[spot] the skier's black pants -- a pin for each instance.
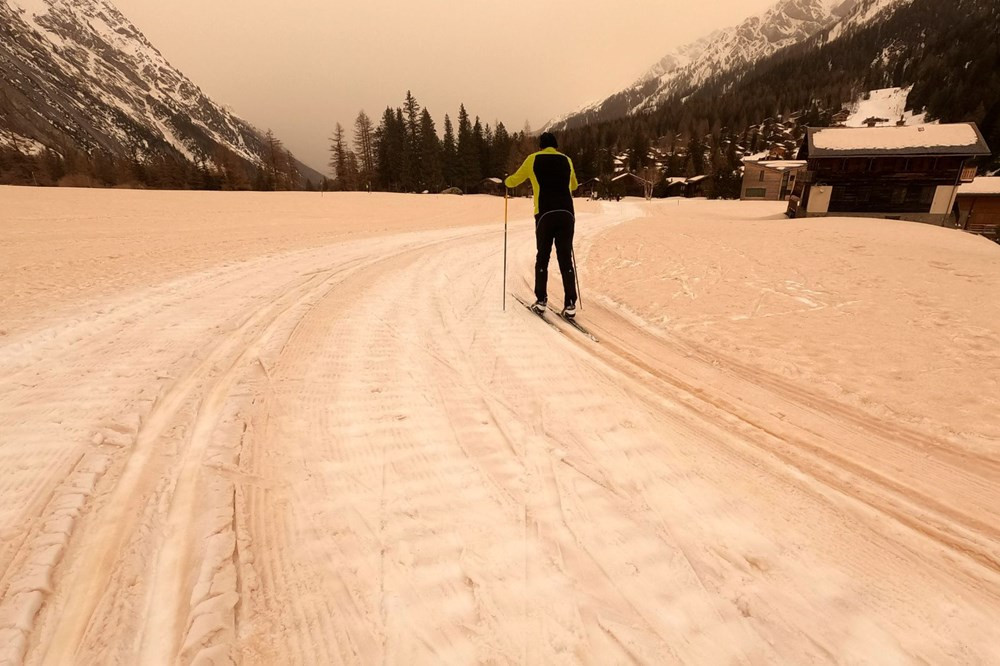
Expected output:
(555, 227)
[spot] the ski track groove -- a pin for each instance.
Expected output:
(297, 493)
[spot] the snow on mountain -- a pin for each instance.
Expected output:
(77, 73)
(681, 58)
(786, 23)
(886, 107)
(864, 13)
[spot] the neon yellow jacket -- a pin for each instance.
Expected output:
(553, 180)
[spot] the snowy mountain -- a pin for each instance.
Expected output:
(786, 23)
(77, 74)
(864, 13)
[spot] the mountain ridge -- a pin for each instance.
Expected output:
(78, 74)
(786, 23)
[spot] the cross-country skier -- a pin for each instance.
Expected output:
(553, 180)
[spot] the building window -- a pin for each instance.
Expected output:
(756, 192)
(882, 198)
(761, 179)
(858, 165)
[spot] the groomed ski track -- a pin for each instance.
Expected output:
(350, 455)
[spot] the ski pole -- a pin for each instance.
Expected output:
(505, 244)
(576, 274)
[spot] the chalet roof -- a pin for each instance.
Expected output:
(953, 139)
(777, 165)
(981, 187)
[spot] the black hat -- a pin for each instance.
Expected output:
(548, 140)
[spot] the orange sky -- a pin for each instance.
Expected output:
(300, 66)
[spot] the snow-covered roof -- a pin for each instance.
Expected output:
(981, 186)
(954, 139)
(778, 165)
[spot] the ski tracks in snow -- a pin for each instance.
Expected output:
(351, 455)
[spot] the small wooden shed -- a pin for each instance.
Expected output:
(978, 205)
(770, 180)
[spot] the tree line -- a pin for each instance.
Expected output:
(404, 152)
(221, 169)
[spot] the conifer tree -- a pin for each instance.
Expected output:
(468, 153)
(500, 152)
(482, 151)
(338, 157)
(412, 147)
(364, 147)
(431, 176)
(449, 153)
(272, 155)
(291, 173)
(402, 154)
(383, 161)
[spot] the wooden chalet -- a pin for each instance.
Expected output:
(978, 207)
(672, 186)
(770, 180)
(903, 173)
(694, 187)
(841, 117)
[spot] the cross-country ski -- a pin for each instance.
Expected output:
(572, 321)
(537, 312)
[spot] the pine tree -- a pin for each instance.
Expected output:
(273, 150)
(411, 148)
(292, 176)
(338, 157)
(500, 152)
(364, 147)
(468, 153)
(431, 175)
(485, 151)
(383, 162)
(449, 156)
(402, 154)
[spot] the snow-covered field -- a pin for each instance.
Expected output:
(888, 104)
(300, 429)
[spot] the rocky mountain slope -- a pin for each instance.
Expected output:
(787, 23)
(76, 74)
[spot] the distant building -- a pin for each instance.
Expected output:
(841, 116)
(694, 187)
(903, 173)
(770, 180)
(978, 206)
(674, 186)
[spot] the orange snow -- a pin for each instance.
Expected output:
(294, 428)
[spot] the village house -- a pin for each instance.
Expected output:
(979, 207)
(902, 173)
(841, 117)
(770, 180)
